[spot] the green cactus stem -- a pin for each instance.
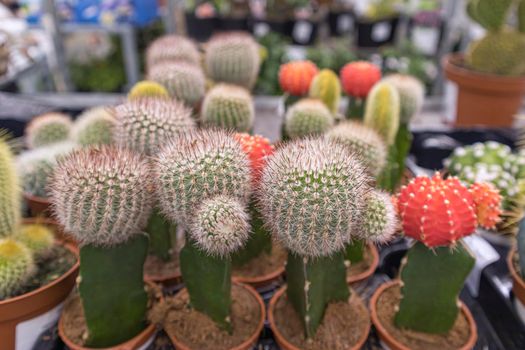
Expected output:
(521, 247)
(431, 282)
(355, 251)
(160, 232)
(391, 176)
(355, 109)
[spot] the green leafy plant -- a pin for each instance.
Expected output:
(274, 54)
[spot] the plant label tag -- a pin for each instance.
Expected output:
(261, 29)
(450, 101)
(381, 31)
(485, 255)
(426, 39)
(27, 332)
(345, 23)
(302, 31)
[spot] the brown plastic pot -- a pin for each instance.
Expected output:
(166, 280)
(484, 99)
(262, 281)
(248, 343)
(392, 343)
(518, 286)
(25, 307)
(371, 269)
(39, 206)
(285, 344)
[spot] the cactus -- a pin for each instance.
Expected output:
(364, 142)
(411, 95)
(10, 199)
(379, 218)
(94, 127)
(171, 48)
(487, 201)
(382, 111)
(433, 273)
(229, 107)
(102, 198)
(313, 194)
(38, 238)
(357, 78)
(327, 88)
(233, 58)
(147, 88)
(296, 77)
(16, 266)
(48, 128)
(184, 81)
(307, 117)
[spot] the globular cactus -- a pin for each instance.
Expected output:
(35, 167)
(307, 117)
(488, 204)
(327, 88)
(171, 48)
(147, 124)
(16, 266)
(102, 195)
(147, 88)
(296, 77)
(10, 199)
(94, 127)
(382, 111)
(38, 238)
(489, 153)
(362, 141)
(258, 149)
(184, 81)
(357, 78)
(411, 95)
(233, 58)
(379, 218)
(48, 128)
(504, 181)
(229, 107)
(220, 226)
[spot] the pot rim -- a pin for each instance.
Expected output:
(262, 280)
(371, 269)
(396, 345)
(518, 285)
(284, 343)
(166, 279)
(248, 343)
(41, 200)
(451, 64)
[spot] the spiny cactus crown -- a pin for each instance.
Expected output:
(221, 225)
(38, 238)
(411, 95)
(147, 88)
(102, 195)
(10, 198)
(382, 111)
(94, 127)
(48, 128)
(16, 266)
(172, 48)
(198, 165)
(490, 153)
(327, 88)
(488, 204)
(295, 77)
(312, 195)
(307, 117)
(229, 107)
(364, 142)
(145, 125)
(379, 218)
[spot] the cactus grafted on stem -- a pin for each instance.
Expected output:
(357, 78)
(382, 111)
(16, 266)
(296, 77)
(94, 127)
(47, 129)
(307, 117)
(411, 95)
(10, 198)
(147, 88)
(327, 88)
(169, 48)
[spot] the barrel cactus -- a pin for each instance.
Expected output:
(327, 88)
(94, 127)
(357, 78)
(171, 48)
(411, 95)
(10, 200)
(38, 238)
(296, 77)
(382, 111)
(147, 88)
(16, 266)
(229, 107)
(48, 128)
(379, 218)
(307, 117)
(233, 58)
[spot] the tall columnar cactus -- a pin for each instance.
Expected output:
(48, 128)
(203, 183)
(102, 196)
(147, 88)
(327, 88)
(364, 142)
(233, 58)
(184, 81)
(16, 266)
(38, 238)
(313, 195)
(411, 95)
(307, 117)
(94, 127)
(295, 77)
(433, 273)
(171, 48)
(382, 111)
(229, 107)
(10, 200)
(357, 79)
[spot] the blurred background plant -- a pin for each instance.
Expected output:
(332, 55)
(273, 49)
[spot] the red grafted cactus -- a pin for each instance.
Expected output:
(488, 204)
(295, 77)
(258, 148)
(358, 78)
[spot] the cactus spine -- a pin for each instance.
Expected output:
(48, 128)
(147, 88)
(16, 266)
(307, 117)
(94, 127)
(327, 88)
(10, 200)
(169, 48)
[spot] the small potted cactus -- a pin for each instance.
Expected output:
(326, 87)
(93, 127)
(490, 76)
(170, 48)
(103, 198)
(315, 197)
(47, 129)
(357, 79)
(37, 271)
(308, 117)
(421, 310)
(203, 183)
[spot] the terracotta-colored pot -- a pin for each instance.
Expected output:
(45, 302)
(518, 285)
(392, 343)
(370, 271)
(39, 206)
(55, 226)
(248, 343)
(283, 342)
(484, 99)
(167, 280)
(262, 281)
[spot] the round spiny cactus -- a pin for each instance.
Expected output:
(16, 266)
(307, 117)
(172, 48)
(147, 88)
(38, 238)
(233, 58)
(379, 218)
(10, 199)
(382, 111)
(488, 204)
(102, 195)
(411, 95)
(229, 107)
(221, 226)
(145, 125)
(295, 77)
(364, 142)
(327, 88)
(94, 127)
(198, 165)
(184, 81)
(48, 128)
(488, 153)
(312, 195)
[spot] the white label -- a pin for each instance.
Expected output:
(302, 31)
(425, 39)
(27, 332)
(345, 23)
(261, 29)
(381, 31)
(147, 343)
(451, 100)
(485, 255)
